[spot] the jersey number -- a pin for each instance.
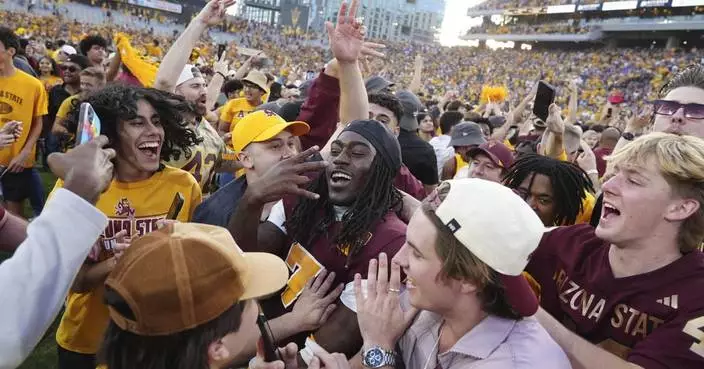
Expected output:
(694, 329)
(303, 267)
(197, 164)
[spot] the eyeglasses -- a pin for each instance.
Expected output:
(70, 68)
(668, 107)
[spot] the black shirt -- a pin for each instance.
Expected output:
(419, 157)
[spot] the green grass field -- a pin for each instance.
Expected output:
(44, 355)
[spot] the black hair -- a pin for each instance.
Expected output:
(486, 122)
(274, 91)
(9, 39)
(291, 110)
(373, 201)
(88, 42)
(182, 350)
(155, 42)
(388, 101)
(448, 120)
(54, 67)
(118, 103)
(231, 86)
(569, 183)
(454, 105)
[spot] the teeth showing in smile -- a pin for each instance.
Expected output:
(149, 145)
(337, 176)
(610, 210)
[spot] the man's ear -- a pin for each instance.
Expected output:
(218, 352)
(246, 160)
(681, 209)
(12, 51)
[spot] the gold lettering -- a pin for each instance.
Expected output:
(573, 287)
(617, 319)
(560, 277)
(598, 309)
(634, 313)
(575, 297)
(693, 328)
(656, 322)
(586, 304)
(641, 326)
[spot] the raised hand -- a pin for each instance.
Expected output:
(586, 160)
(86, 170)
(315, 305)
(214, 11)
(639, 122)
(554, 123)
(222, 65)
(347, 37)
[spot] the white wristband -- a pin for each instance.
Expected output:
(593, 171)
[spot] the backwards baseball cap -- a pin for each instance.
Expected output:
(262, 126)
(258, 79)
(200, 273)
(189, 72)
(501, 230)
(467, 134)
(68, 49)
(380, 137)
(411, 107)
(79, 59)
(377, 84)
(496, 151)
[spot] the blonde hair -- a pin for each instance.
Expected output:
(680, 159)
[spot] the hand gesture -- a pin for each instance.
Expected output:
(222, 65)
(315, 305)
(289, 358)
(572, 86)
(381, 319)
(86, 170)
(554, 123)
(346, 38)
(325, 359)
(639, 122)
(9, 133)
(586, 160)
(214, 12)
(17, 163)
(286, 178)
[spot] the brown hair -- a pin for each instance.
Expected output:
(692, 76)
(94, 72)
(460, 264)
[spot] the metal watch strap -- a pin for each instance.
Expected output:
(388, 357)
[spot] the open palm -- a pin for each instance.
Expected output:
(347, 37)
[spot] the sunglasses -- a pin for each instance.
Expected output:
(668, 107)
(69, 68)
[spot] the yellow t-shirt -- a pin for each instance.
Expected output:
(235, 110)
(203, 156)
(585, 216)
(460, 163)
(135, 207)
(51, 81)
(66, 106)
(22, 98)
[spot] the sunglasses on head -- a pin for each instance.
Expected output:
(668, 107)
(70, 68)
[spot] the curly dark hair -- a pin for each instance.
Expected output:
(118, 103)
(388, 101)
(89, 41)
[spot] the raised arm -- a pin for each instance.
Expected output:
(573, 105)
(415, 84)
(554, 146)
(177, 57)
(221, 68)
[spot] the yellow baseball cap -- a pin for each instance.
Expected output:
(262, 126)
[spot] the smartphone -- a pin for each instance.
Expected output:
(88, 124)
(221, 50)
(271, 354)
(176, 206)
(310, 75)
(543, 99)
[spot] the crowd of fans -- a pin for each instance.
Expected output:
(518, 4)
(363, 205)
(565, 27)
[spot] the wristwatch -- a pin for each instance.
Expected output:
(628, 136)
(376, 357)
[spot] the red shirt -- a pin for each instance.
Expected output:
(600, 154)
(655, 320)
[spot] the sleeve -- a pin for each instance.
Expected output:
(277, 216)
(38, 276)
(678, 343)
(406, 182)
(64, 109)
(321, 111)
(226, 112)
(41, 105)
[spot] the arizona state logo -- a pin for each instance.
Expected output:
(124, 209)
(5, 108)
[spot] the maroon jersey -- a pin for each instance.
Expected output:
(655, 320)
(306, 261)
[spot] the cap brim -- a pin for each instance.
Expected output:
(256, 84)
(296, 129)
(519, 294)
(478, 150)
(467, 141)
(267, 274)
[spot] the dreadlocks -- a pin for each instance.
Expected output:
(569, 183)
(376, 198)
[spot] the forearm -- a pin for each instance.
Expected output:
(354, 103)
(35, 131)
(582, 354)
(13, 230)
(321, 110)
(244, 222)
(58, 128)
(409, 206)
(38, 276)
(214, 90)
(177, 57)
(114, 67)
(243, 70)
(92, 276)
(572, 107)
(415, 84)
(554, 145)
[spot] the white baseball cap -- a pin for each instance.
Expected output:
(189, 72)
(498, 227)
(68, 49)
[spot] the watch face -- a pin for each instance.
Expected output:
(374, 358)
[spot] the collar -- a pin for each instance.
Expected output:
(485, 337)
